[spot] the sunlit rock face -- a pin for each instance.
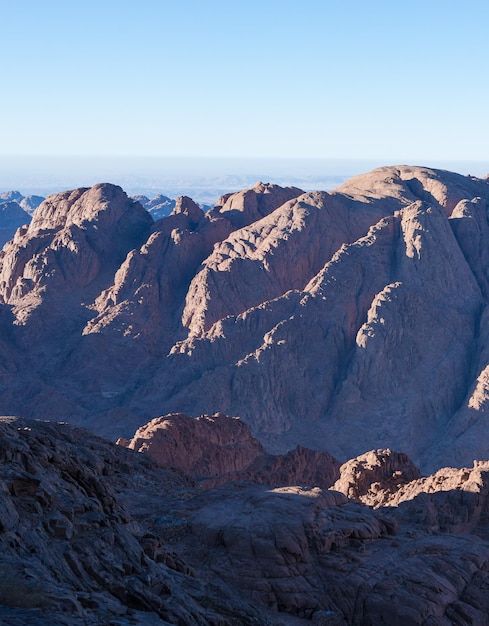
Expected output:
(341, 321)
(217, 449)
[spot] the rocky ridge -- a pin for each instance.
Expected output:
(158, 207)
(93, 533)
(15, 211)
(12, 216)
(344, 321)
(217, 449)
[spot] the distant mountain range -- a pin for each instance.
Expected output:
(203, 179)
(160, 206)
(27, 203)
(15, 210)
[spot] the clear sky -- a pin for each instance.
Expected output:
(397, 81)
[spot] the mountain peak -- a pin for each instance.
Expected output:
(344, 321)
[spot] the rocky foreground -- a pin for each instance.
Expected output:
(342, 321)
(94, 533)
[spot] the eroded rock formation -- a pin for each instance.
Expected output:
(71, 551)
(340, 321)
(217, 449)
(95, 534)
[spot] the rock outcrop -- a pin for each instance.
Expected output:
(71, 551)
(374, 477)
(450, 500)
(203, 447)
(95, 534)
(217, 449)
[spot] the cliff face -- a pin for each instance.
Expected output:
(340, 321)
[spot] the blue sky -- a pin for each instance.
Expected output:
(398, 81)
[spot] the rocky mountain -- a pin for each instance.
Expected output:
(343, 321)
(28, 203)
(158, 207)
(93, 534)
(12, 216)
(217, 449)
(11, 196)
(15, 211)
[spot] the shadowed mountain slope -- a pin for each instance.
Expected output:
(341, 321)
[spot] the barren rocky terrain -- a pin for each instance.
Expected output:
(298, 383)
(341, 321)
(94, 533)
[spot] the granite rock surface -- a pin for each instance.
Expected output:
(217, 449)
(95, 534)
(341, 321)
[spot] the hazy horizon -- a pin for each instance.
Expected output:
(205, 179)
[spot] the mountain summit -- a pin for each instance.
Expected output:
(343, 321)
